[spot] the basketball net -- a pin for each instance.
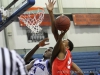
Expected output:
(32, 21)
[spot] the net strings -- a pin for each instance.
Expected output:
(33, 23)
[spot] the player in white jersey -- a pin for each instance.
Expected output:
(39, 66)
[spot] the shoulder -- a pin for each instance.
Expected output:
(16, 54)
(33, 60)
(63, 56)
(3, 49)
(48, 61)
(68, 50)
(6, 51)
(17, 57)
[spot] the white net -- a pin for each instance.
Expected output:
(33, 22)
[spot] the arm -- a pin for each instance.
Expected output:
(59, 48)
(28, 56)
(29, 66)
(76, 69)
(31, 52)
(53, 28)
(50, 10)
(55, 53)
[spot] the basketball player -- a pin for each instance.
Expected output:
(61, 52)
(39, 66)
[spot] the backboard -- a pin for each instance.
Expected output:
(14, 8)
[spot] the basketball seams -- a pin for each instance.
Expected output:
(62, 23)
(62, 20)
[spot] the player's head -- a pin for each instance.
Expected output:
(48, 52)
(68, 44)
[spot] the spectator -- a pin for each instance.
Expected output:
(91, 73)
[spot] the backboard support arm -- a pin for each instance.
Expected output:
(12, 3)
(17, 13)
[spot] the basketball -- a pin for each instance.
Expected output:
(62, 23)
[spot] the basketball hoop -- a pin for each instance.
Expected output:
(31, 20)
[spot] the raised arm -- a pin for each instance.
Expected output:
(28, 56)
(50, 7)
(31, 52)
(58, 48)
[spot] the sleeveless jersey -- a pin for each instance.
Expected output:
(62, 66)
(40, 67)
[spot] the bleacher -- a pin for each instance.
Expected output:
(87, 61)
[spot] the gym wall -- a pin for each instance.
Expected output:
(82, 37)
(2, 39)
(81, 4)
(20, 37)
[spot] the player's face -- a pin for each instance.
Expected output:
(65, 42)
(48, 53)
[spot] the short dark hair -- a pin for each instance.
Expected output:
(71, 45)
(51, 47)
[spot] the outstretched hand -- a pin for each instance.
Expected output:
(62, 34)
(42, 43)
(50, 5)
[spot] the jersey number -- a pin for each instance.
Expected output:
(34, 70)
(69, 62)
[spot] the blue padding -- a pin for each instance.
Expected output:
(97, 69)
(85, 53)
(86, 73)
(22, 56)
(87, 60)
(17, 13)
(85, 57)
(86, 64)
(38, 56)
(92, 69)
(89, 67)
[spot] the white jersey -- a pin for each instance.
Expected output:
(40, 67)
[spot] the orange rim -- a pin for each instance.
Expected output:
(35, 8)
